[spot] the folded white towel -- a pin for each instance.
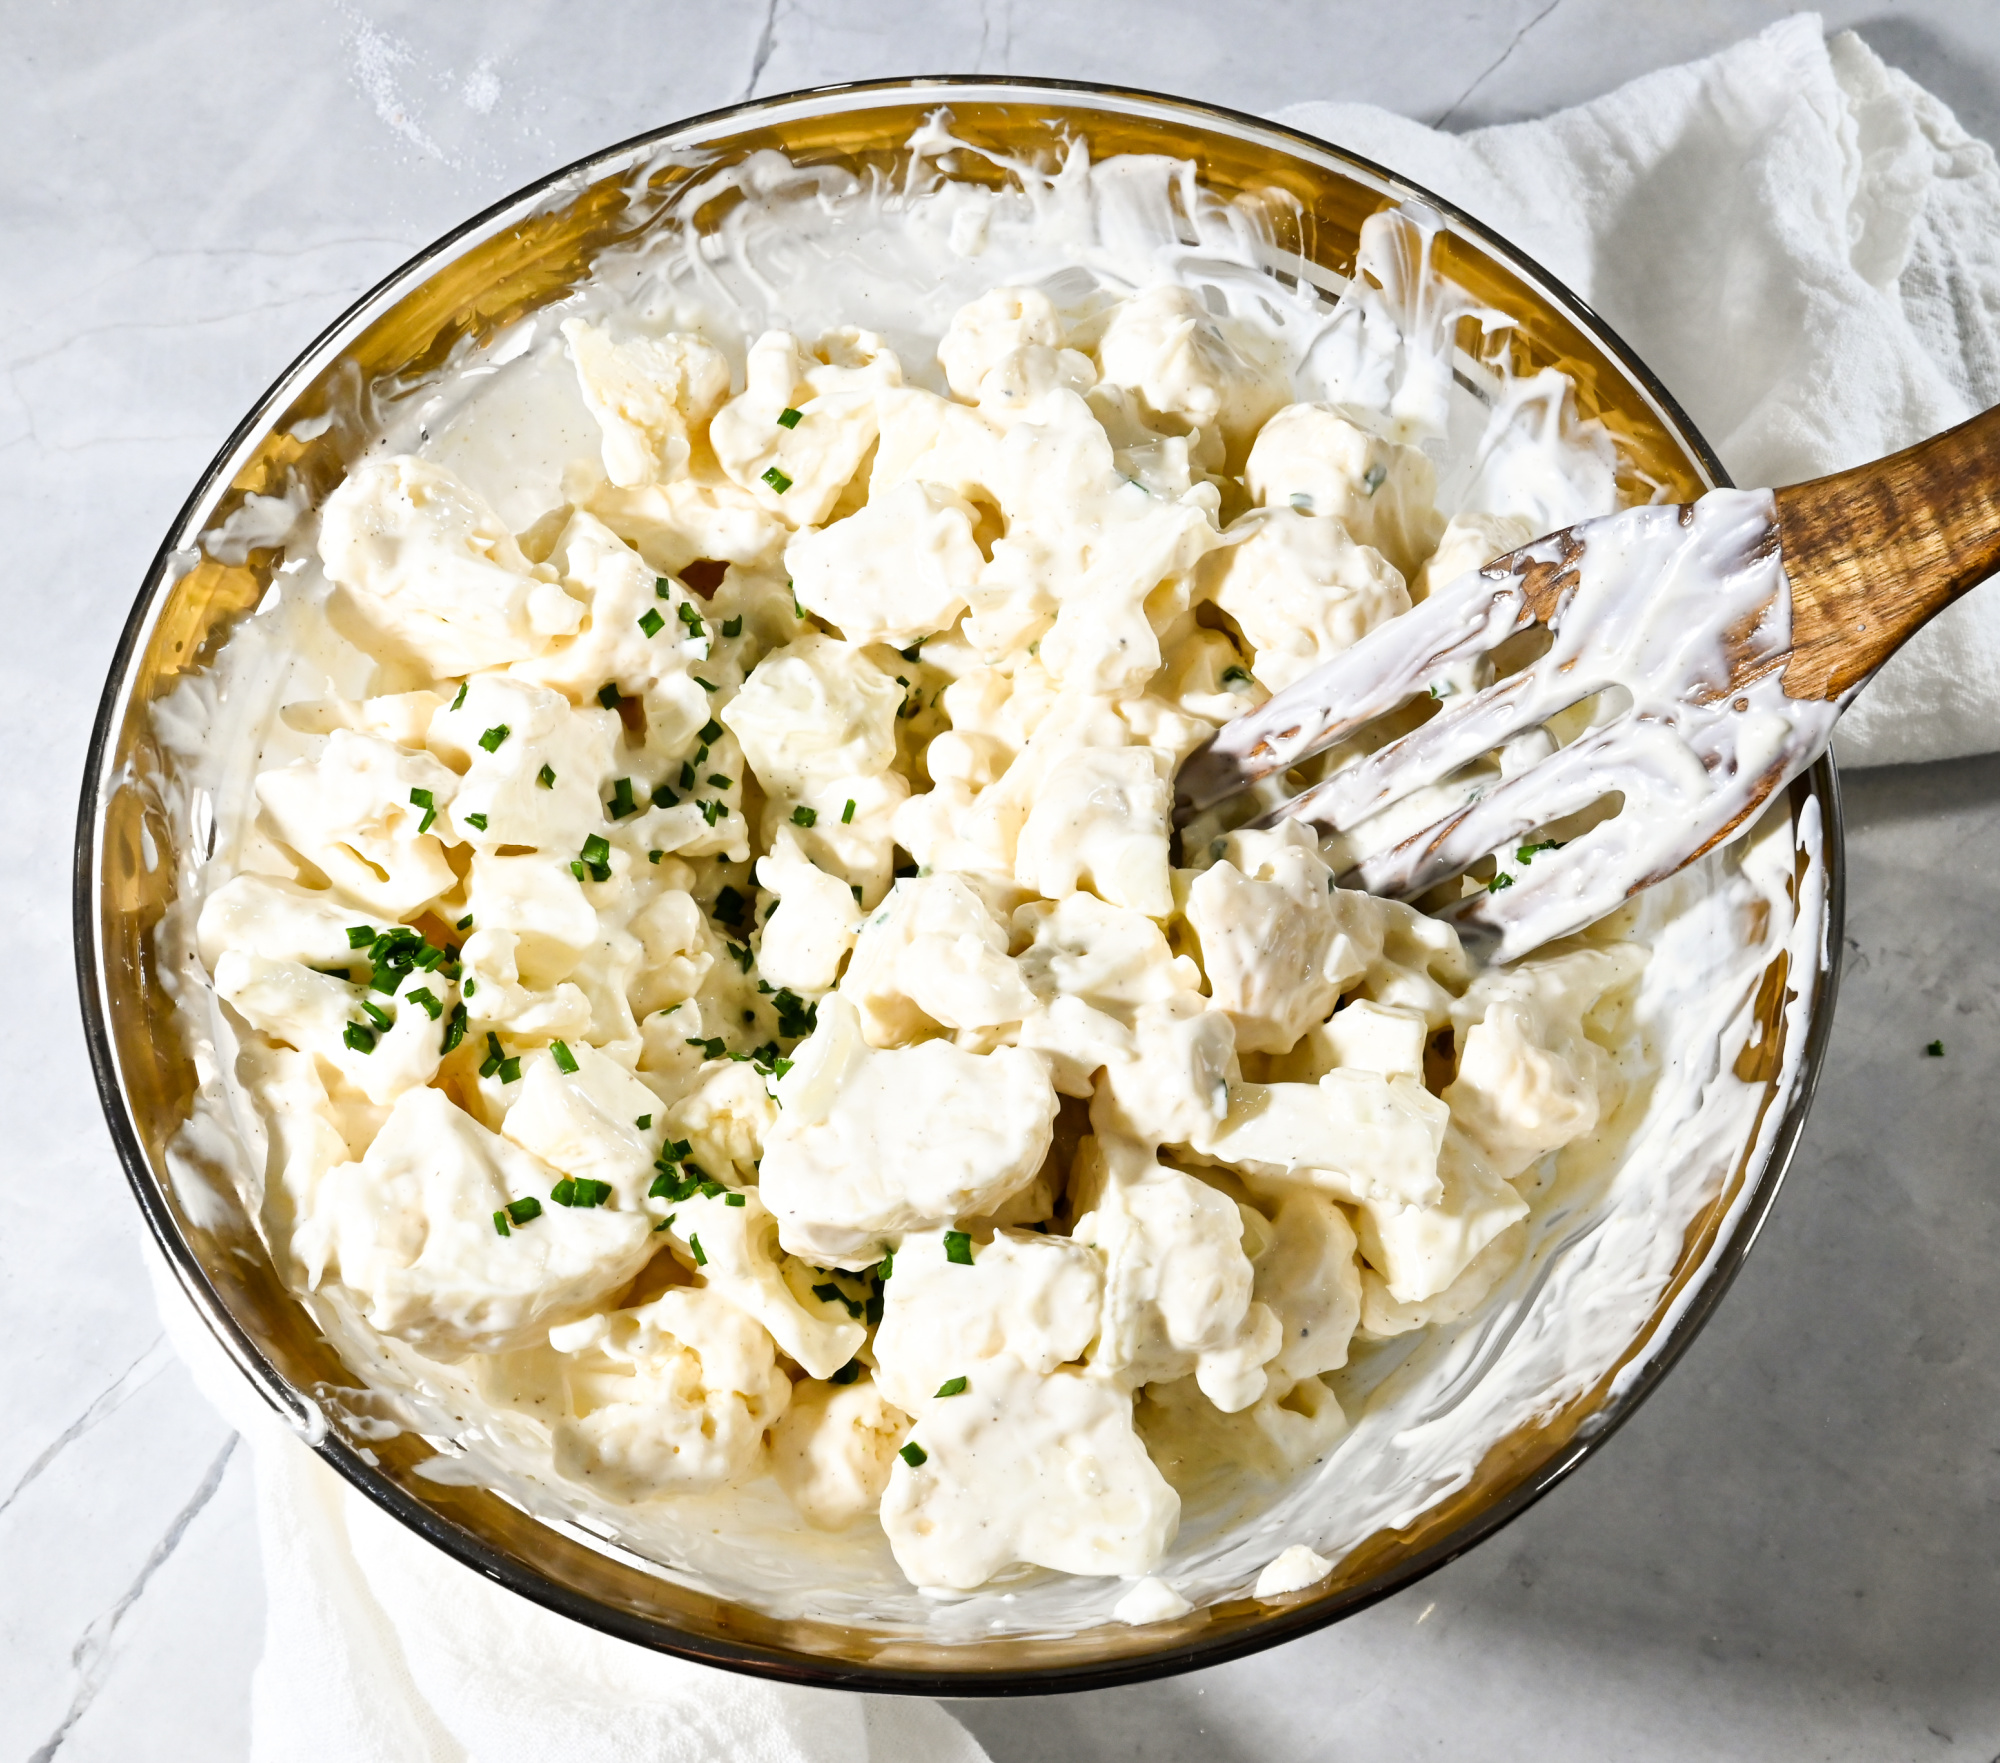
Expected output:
(1805, 247)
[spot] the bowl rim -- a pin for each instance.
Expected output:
(1714, 1276)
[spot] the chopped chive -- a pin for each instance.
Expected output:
(1374, 477)
(742, 955)
(734, 1200)
(652, 622)
(382, 1020)
(470, 986)
(430, 957)
(887, 1265)
(510, 1071)
(914, 1455)
(654, 856)
(664, 798)
(777, 480)
(492, 738)
(596, 848)
(730, 906)
(420, 798)
(525, 1210)
(710, 1049)
(1528, 853)
(577, 869)
(716, 778)
(1230, 675)
(804, 816)
(358, 1038)
(546, 777)
(854, 888)
(798, 611)
(692, 619)
(427, 1001)
(847, 1373)
(1935, 1049)
(464, 923)
(952, 1386)
(360, 936)
(454, 1028)
(705, 686)
(500, 1221)
(1500, 883)
(788, 418)
(460, 699)
(915, 651)
(663, 588)
(713, 811)
(958, 1248)
(622, 803)
(694, 1248)
(607, 695)
(847, 813)
(476, 820)
(687, 775)
(709, 733)
(644, 1122)
(733, 627)
(564, 1058)
(564, 1192)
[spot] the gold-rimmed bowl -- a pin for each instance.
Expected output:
(534, 249)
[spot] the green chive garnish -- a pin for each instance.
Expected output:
(777, 480)
(476, 820)
(788, 418)
(847, 1373)
(510, 1071)
(546, 777)
(1500, 883)
(804, 816)
(914, 1455)
(718, 780)
(644, 1123)
(663, 588)
(694, 1248)
(607, 695)
(358, 1038)
(464, 923)
(958, 1248)
(1935, 1049)
(492, 738)
(460, 699)
(692, 619)
(525, 1210)
(454, 1028)
(622, 803)
(709, 733)
(500, 1222)
(652, 622)
(360, 936)
(1231, 675)
(564, 1058)
(847, 813)
(952, 1386)
(733, 627)
(427, 1001)
(705, 686)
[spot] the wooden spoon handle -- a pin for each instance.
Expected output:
(1875, 553)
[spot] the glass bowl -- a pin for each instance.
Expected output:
(530, 250)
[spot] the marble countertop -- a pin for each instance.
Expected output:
(1790, 1553)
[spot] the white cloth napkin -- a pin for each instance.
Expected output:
(1805, 246)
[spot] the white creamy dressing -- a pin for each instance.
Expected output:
(1282, 1452)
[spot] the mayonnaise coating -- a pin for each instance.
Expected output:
(779, 812)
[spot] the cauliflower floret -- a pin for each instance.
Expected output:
(1177, 1284)
(536, 768)
(1271, 936)
(1165, 345)
(541, 904)
(1198, 1447)
(1469, 542)
(638, 636)
(933, 955)
(1111, 957)
(1529, 1078)
(676, 525)
(1383, 1317)
(1032, 1298)
(586, 1122)
(1301, 591)
(1387, 1039)
(1314, 460)
(815, 709)
(1099, 822)
(1023, 1467)
(650, 395)
(814, 924)
(677, 951)
(727, 1115)
(740, 1259)
(495, 998)
(834, 1448)
(897, 569)
(349, 813)
(411, 1233)
(1174, 1089)
(671, 1398)
(432, 572)
(279, 920)
(1307, 1273)
(1354, 1135)
(797, 470)
(321, 1015)
(1419, 1249)
(869, 1144)
(984, 332)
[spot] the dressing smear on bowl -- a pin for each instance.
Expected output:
(691, 974)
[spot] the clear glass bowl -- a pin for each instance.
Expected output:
(533, 249)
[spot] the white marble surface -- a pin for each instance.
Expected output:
(1789, 1554)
